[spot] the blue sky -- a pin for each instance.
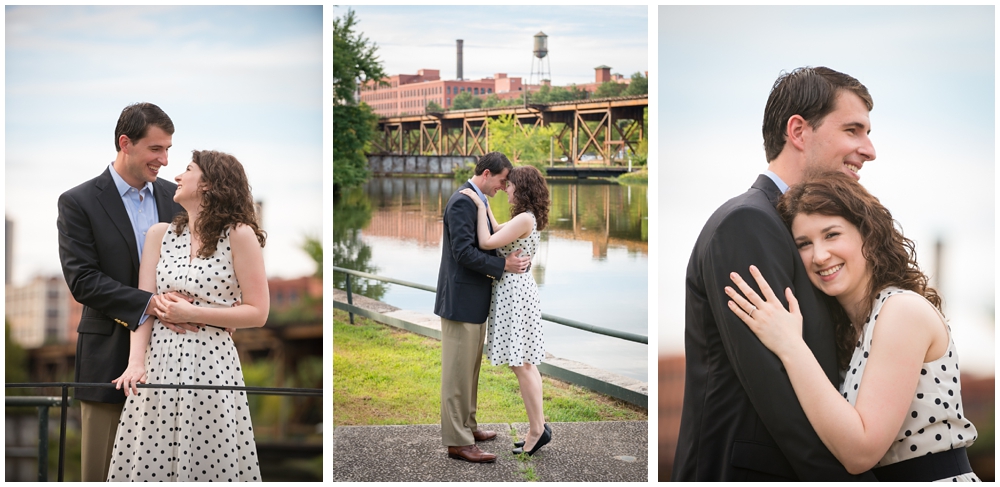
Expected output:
(930, 71)
(243, 80)
(499, 39)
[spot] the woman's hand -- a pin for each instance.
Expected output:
(778, 329)
(475, 197)
(174, 308)
(135, 374)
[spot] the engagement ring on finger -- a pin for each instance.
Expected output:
(752, 310)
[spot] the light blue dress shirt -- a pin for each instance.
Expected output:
(774, 177)
(485, 202)
(141, 208)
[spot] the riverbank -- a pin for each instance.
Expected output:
(384, 375)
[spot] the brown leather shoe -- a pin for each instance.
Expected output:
(470, 453)
(483, 435)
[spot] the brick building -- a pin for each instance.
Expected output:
(409, 94)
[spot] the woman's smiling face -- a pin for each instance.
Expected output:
(832, 251)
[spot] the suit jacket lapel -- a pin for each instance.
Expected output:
(164, 201)
(112, 202)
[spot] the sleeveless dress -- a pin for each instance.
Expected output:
(189, 435)
(514, 335)
(935, 422)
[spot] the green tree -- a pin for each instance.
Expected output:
(543, 95)
(354, 61)
(638, 86)
(523, 145)
(492, 101)
(314, 247)
(15, 359)
(433, 107)
(465, 100)
(609, 89)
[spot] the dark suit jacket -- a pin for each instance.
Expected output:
(741, 419)
(465, 278)
(100, 260)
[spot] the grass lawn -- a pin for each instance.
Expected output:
(383, 375)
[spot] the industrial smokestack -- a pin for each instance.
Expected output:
(458, 46)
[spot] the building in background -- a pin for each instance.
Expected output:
(41, 312)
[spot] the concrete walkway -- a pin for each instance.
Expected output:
(579, 452)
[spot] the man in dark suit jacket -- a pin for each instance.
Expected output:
(102, 223)
(464, 289)
(741, 419)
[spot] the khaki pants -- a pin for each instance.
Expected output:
(461, 356)
(100, 425)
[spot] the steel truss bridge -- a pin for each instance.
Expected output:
(605, 127)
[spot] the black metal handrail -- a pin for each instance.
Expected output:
(44, 403)
(624, 335)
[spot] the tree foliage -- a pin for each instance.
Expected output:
(522, 144)
(355, 61)
(15, 359)
(609, 89)
(465, 100)
(548, 94)
(433, 107)
(638, 86)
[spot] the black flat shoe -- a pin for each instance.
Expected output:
(542, 441)
(520, 444)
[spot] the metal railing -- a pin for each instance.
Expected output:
(44, 403)
(624, 335)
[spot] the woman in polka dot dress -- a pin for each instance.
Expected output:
(514, 333)
(903, 411)
(211, 253)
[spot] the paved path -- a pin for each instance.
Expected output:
(579, 452)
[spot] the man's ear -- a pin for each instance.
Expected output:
(795, 130)
(486, 173)
(124, 142)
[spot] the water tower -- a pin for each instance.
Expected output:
(540, 67)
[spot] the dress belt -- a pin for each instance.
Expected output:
(935, 466)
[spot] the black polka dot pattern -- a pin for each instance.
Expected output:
(934, 421)
(189, 435)
(514, 335)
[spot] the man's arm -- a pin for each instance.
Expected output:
(749, 236)
(81, 267)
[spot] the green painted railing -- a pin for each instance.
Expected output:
(624, 335)
(44, 403)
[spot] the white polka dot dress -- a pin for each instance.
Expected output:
(934, 421)
(189, 435)
(514, 335)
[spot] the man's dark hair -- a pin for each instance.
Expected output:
(496, 162)
(136, 119)
(808, 92)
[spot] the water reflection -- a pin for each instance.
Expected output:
(591, 265)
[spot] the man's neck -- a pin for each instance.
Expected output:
(120, 169)
(478, 181)
(788, 167)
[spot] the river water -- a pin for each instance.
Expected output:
(591, 265)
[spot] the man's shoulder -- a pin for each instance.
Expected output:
(92, 185)
(750, 205)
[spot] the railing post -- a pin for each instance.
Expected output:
(43, 443)
(350, 300)
(62, 431)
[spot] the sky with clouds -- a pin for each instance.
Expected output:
(499, 39)
(242, 80)
(930, 71)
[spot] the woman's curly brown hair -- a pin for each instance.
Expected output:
(225, 202)
(531, 193)
(891, 258)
